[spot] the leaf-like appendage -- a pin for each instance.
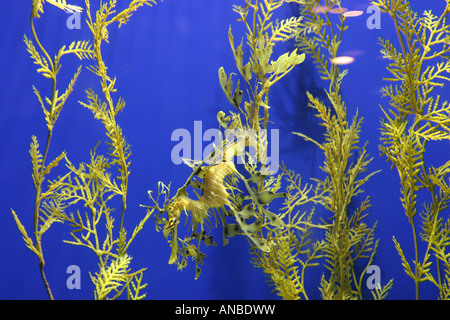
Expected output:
(111, 277)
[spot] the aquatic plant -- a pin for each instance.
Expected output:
(46, 211)
(349, 246)
(419, 65)
(293, 251)
(89, 187)
(262, 34)
(248, 208)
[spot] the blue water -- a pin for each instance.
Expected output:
(166, 61)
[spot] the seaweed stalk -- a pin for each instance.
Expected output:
(348, 239)
(49, 68)
(418, 65)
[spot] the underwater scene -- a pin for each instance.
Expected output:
(225, 149)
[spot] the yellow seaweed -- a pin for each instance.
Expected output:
(88, 187)
(249, 208)
(419, 65)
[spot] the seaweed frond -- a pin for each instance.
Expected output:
(89, 187)
(419, 65)
(94, 184)
(111, 277)
(115, 277)
(38, 7)
(248, 209)
(348, 239)
(292, 254)
(137, 286)
(47, 208)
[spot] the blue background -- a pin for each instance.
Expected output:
(166, 61)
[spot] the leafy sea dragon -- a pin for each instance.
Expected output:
(218, 193)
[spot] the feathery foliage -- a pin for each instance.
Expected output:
(47, 208)
(419, 64)
(248, 209)
(348, 239)
(106, 176)
(291, 249)
(89, 188)
(262, 34)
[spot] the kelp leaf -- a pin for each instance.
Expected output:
(227, 87)
(40, 60)
(138, 286)
(111, 277)
(62, 4)
(28, 241)
(287, 29)
(82, 49)
(36, 161)
(405, 263)
(287, 61)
